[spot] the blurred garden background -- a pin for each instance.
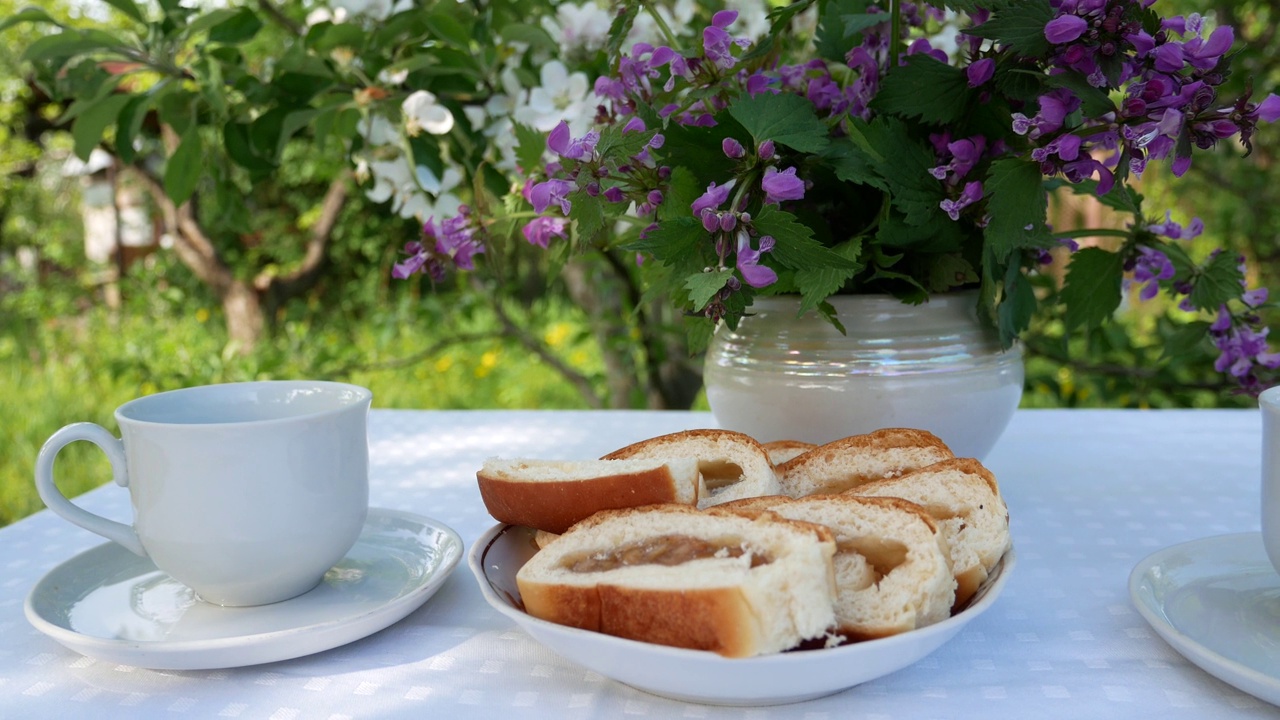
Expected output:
(270, 254)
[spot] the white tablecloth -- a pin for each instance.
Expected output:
(1090, 493)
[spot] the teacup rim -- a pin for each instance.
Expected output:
(362, 395)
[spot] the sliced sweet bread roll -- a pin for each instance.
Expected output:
(551, 495)
(733, 465)
(843, 464)
(780, 451)
(964, 500)
(892, 574)
(731, 584)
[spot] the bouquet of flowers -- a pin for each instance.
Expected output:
(899, 147)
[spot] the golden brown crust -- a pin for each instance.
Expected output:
(965, 465)
(829, 455)
(715, 619)
(554, 506)
(782, 450)
(676, 438)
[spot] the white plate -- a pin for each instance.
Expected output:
(1217, 601)
(110, 604)
(705, 677)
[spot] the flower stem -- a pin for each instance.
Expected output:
(662, 25)
(895, 34)
(1090, 232)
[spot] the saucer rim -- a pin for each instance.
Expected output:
(264, 647)
(1151, 607)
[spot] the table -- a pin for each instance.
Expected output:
(1090, 493)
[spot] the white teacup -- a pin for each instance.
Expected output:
(1269, 402)
(245, 492)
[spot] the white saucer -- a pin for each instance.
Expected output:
(705, 677)
(1217, 601)
(110, 604)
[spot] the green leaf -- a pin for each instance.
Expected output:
(795, 246)
(531, 35)
(678, 241)
(904, 163)
(235, 139)
(852, 164)
(239, 28)
(444, 26)
(325, 37)
(128, 123)
(857, 22)
(682, 191)
(620, 28)
(949, 271)
(1018, 306)
(1092, 290)
(128, 8)
(208, 20)
(183, 171)
(945, 101)
(28, 15)
(785, 119)
(1186, 340)
(88, 128)
(698, 332)
(587, 212)
(818, 284)
(1217, 281)
(705, 285)
(530, 145)
(1019, 26)
(62, 45)
(1016, 202)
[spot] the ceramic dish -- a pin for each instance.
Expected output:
(1214, 600)
(110, 604)
(705, 677)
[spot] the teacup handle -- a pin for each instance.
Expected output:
(57, 502)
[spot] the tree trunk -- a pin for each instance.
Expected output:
(245, 319)
(608, 320)
(247, 306)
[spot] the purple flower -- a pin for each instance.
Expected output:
(732, 148)
(980, 71)
(748, 262)
(1150, 268)
(1065, 28)
(1175, 231)
(971, 194)
(711, 200)
(718, 44)
(779, 186)
(455, 239)
(540, 230)
(1254, 298)
(552, 192)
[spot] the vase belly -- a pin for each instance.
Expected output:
(933, 367)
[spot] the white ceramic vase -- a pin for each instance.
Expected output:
(932, 366)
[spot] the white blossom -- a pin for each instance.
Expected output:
(320, 15)
(377, 131)
(584, 26)
(562, 96)
(423, 111)
(372, 9)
